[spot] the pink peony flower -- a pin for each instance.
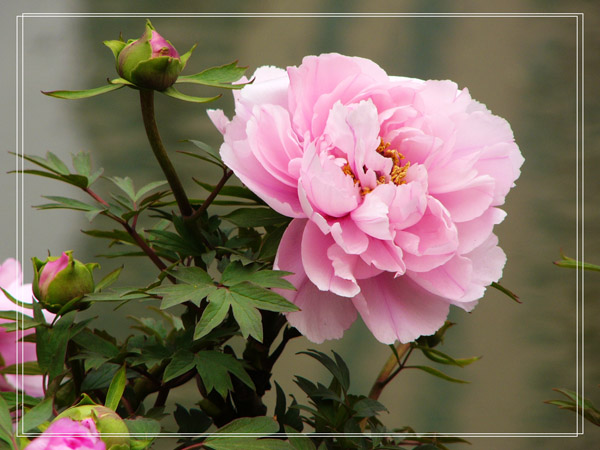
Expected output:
(67, 434)
(393, 184)
(11, 278)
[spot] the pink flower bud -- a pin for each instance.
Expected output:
(150, 62)
(67, 434)
(61, 280)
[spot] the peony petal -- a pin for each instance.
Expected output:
(450, 280)
(398, 309)
(323, 315)
(318, 266)
(372, 215)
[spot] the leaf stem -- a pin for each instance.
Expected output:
(387, 373)
(147, 104)
(226, 175)
(146, 248)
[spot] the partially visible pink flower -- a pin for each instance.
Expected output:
(394, 186)
(67, 434)
(11, 278)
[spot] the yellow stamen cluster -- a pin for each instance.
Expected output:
(398, 171)
(397, 175)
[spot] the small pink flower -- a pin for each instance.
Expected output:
(394, 186)
(11, 278)
(67, 434)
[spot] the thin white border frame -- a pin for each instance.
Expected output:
(579, 196)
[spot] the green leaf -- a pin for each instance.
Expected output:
(299, 442)
(571, 263)
(214, 368)
(67, 203)
(255, 217)
(367, 407)
(232, 191)
(100, 378)
(182, 361)
(436, 373)
(236, 273)
(208, 149)
(245, 314)
(75, 95)
(337, 368)
(442, 358)
(51, 345)
(57, 163)
(125, 184)
(507, 292)
(180, 293)
(143, 432)
(116, 389)
(578, 405)
(255, 425)
(261, 298)
(212, 317)
(16, 302)
(82, 163)
(147, 188)
(37, 415)
(26, 368)
(221, 76)
(108, 279)
(6, 427)
(172, 92)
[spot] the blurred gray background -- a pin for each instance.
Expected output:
(523, 69)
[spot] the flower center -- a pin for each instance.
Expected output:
(397, 175)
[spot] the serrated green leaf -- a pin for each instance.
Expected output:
(214, 368)
(221, 76)
(115, 235)
(236, 273)
(172, 92)
(76, 95)
(436, 373)
(247, 316)
(255, 217)
(182, 361)
(271, 241)
(116, 389)
(211, 318)
(261, 298)
(179, 293)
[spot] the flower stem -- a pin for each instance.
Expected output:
(147, 103)
(387, 372)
